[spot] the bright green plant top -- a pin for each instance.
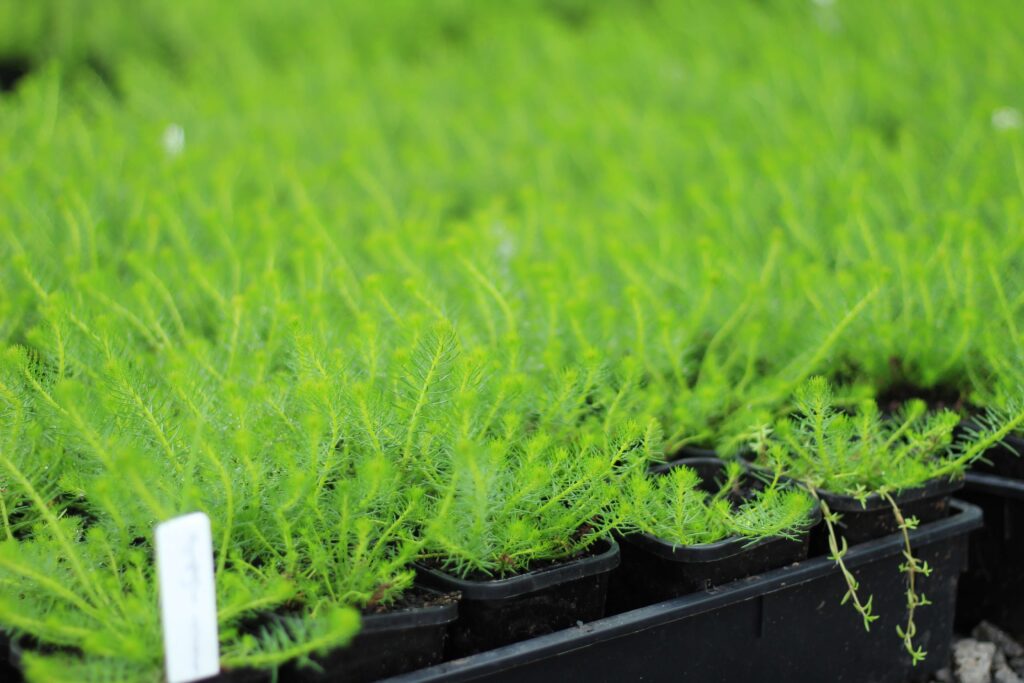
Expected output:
(866, 452)
(299, 265)
(673, 507)
(504, 510)
(539, 486)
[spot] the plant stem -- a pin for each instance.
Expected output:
(912, 569)
(864, 609)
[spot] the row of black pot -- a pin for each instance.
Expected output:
(452, 617)
(785, 624)
(460, 617)
(992, 588)
(618, 575)
(773, 610)
(634, 571)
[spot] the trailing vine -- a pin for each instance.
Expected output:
(837, 550)
(912, 567)
(861, 452)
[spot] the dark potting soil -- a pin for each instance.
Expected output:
(413, 598)
(711, 471)
(940, 397)
(12, 69)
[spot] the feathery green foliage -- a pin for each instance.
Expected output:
(523, 497)
(870, 454)
(675, 508)
(431, 278)
(866, 452)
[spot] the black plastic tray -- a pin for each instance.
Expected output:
(501, 611)
(993, 587)
(784, 625)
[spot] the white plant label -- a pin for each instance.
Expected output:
(188, 600)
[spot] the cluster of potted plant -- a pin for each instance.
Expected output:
(462, 334)
(365, 527)
(875, 474)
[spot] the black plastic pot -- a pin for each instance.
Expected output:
(695, 452)
(708, 467)
(653, 569)
(993, 587)
(496, 612)
(19, 645)
(243, 676)
(387, 644)
(1005, 459)
(689, 452)
(7, 671)
(784, 625)
(683, 454)
(874, 518)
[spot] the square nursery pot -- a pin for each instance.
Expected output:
(388, 643)
(654, 569)
(784, 625)
(686, 453)
(993, 587)
(496, 612)
(19, 645)
(1005, 459)
(874, 518)
(7, 671)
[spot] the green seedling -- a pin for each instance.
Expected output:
(863, 454)
(674, 508)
